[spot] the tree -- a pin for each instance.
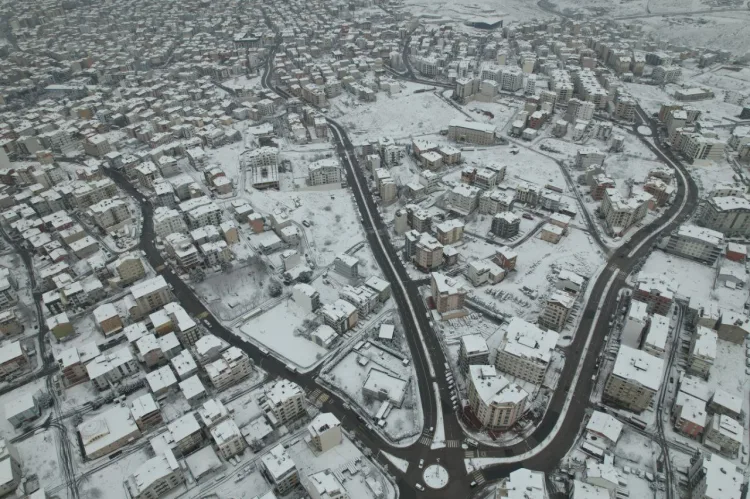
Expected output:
(275, 289)
(197, 275)
(226, 266)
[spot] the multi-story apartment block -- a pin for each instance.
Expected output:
(464, 199)
(473, 351)
(557, 310)
(129, 268)
(279, 468)
(208, 214)
(634, 380)
(110, 214)
(233, 366)
(729, 215)
(13, 358)
(505, 225)
(496, 402)
(168, 221)
(111, 367)
(447, 294)
(285, 399)
(496, 201)
(148, 296)
(471, 132)
(228, 438)
(428, 252)
(324, 171)
(656, 293)
(713, 477)
(156, 477)
(324, 432)
(450, 231)
(526, 351)
(620, 213)
(697, 243)
(702, 353)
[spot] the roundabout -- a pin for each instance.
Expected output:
(435, 476)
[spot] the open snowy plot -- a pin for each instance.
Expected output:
(502, 111)
(527, 165)
(651, 97)
(401, 116)
(342, 460)
(474, 10)
(38, 455)
(350, 373)
(706, 177)
(243, 82)
(693, 279)
(226, 157)
(534, 271)
(6, 429)
(231, 294)
(85, 331)
(723, 78)
(25, 305)
(481, 225)
(717, 31)
(623, 166)
(333, 216)
(276, 329)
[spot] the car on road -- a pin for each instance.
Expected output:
(473, 484)
(421, 464)
(419, 487)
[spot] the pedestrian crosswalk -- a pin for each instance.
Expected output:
(425, 440)
(478, 477)
(453, 443)
(471, 454)
(313, 395)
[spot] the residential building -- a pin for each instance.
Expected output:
(724, 434)
(149, 295)
(285, 399)
(108, 319)
(13, 358)
(496, 402)
(156, 477)
(658, 332)
(146, 412)
(111, 367)
(702, 353)
(729, 215)
(697, 243)
(324, 432)
(482, 272)
(524, 484)
(473, 350)
(280, 469)
(325, 485)
(526, 351)
(656, 293)
(346, 265)
(450, 231)
(228, 438)
(620, 213)
(506, 225)
(233, 366)
(324, 171)
(634, 380)
(428, 252)
(306, 297)
(713, 477)
(557, 310)
(471, 132)
(447, 295)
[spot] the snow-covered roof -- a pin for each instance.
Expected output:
(526, 484)
(280, 390)
(727, 400)
(658, 332)
(104, 312)
(473, 125)
(638, 311)
(694, 411)
(727, 427)
(386, 331)
(722, 478)
(446, 285)
(704, 343)
(106, 428)
(523, 339)
(161, 379)
(638, 367)
(583, 490)
(143, 406)
(495, 389)
(192, 387)
(148, 286)
(152, 470)
(183, 427)
(605, 425)
(277, 462)
(474, 344)
(225, 431)
(703, 234)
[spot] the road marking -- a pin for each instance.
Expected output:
(453, 443)
(425, 440)
(478, 477)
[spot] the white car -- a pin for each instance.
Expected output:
(421, 464)
(419, 487)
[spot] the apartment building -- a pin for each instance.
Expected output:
(149, 295)
(557, 310)
(227, 438)
(129, 268)
(168, 221)
(729, 215)
(324, 432)
(73, 362)
(620, 213)
(156, 477)
(13, 358)
(658, 332)
(428, 253)
(496, 201)
(285, 400)
(464, 199)
(324, 171)
(110, 214)
(186, 434)
(447, 294)
(702, 353)
(526, 351)
(486, 271)
(697, 243)
(473, 350)
(280, 469)
(449, 232)
(496, 402)
(146, 412)
(471, 132)
(111, 367)
(233, 366)
(713, 477)
(505, 225)
(656, 293)
(340, 315)
(634, 380)
(724, 434)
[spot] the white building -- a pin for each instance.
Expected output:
(526, 351)
(495, 401)
(324, 432)
(154, 478)
(285, 399)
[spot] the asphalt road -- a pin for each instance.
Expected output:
(414, 318)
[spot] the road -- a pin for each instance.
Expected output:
(426, 353)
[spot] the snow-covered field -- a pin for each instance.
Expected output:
(401, 116)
